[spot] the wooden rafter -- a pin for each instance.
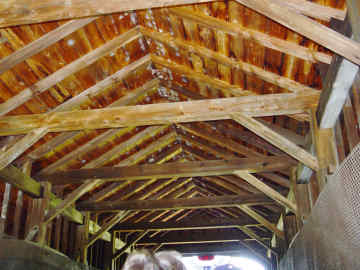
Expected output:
(267, 76)
(278, 140)
(71, 199)
(132, 160)
(22, 11)
(167, 204)
(27, 141)
(67, 70)
(129, 99)
(251, 179)
(263, 221)
(200, 77)
(206, 236)
(168, 170)
(163, 113)
(197, 224)
(42, 43)
(20, 147)
(261, 38)
(307, 27)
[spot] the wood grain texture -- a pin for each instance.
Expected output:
(27, 12)
(167, 204)
(192, 47)
(272, 193)
(281, 142)
(265, 40)
(42, 43)
(309, 28)
(168, 170)
(67, 70)
(157, 114)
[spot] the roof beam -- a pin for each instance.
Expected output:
(272, 193)
(27, 12)
(163, 113)
(267, 76)
(129, 99)
(200, 77)
(21, 146)
(339, 78)
(175, 238)
(281, 142)
(56, 77)
(265, 40)
(72, 104)
(309, 28)
(197, 224)
(263, 221)
(42, 43)
(132, 160)
(168, 170)
(174, 204)
(71, 199)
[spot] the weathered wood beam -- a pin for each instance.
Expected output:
(42, 43)
(132, 160)
(307, 27)
(336, 85)
(56, 77)
(71, 199)
(251, 179)
(20, 180)
(27, 12)
(193, 224)
(21, 146)
(163, 113)
(265, 40)
(175, 238)
(168, 170)
(274, 138)
(313, 9)
(168, 204)
(129, 99)
(106, 227)
(263, 221)
(192, 47)
(215, 83)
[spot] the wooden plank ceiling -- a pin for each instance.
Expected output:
(225, 63)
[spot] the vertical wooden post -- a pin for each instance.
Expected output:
(302, 198)
(85, 239)
(290, 227)
(113, 245)
(323, 141)
(4, 208)
(43, 209)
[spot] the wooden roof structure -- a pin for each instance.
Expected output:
(172, 122)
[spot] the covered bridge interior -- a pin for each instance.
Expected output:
(206, 127)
